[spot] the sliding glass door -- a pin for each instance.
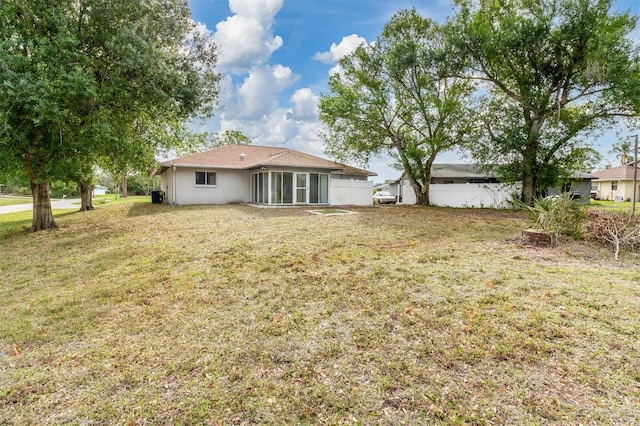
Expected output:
(260, 188)
(281, 188)
(318, 188)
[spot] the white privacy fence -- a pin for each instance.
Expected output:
(483, 195)
(351, 192)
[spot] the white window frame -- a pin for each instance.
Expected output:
(207, 179)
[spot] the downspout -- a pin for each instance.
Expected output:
(173, 184)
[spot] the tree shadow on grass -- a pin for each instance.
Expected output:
(148, 209)
(14, 224)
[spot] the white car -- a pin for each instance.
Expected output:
(384, 197)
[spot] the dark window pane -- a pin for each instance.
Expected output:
(313, 188)
(287, 188)
(200, 178)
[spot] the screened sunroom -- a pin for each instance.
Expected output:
(289, 187)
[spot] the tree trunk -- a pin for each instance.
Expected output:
(528, 177)
(86, 197)
(423, 198)
(42, 213)
(422, 188)
(529, 160)
(125, 192)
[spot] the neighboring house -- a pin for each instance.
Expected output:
(100, 190)
(381, 187)
(467, 185)
(263, 175)
(616, 183)
(578, 187)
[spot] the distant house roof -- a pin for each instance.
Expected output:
(475, 171)
(616, 173)
(459, 170)
(249, 157)
(455, 171)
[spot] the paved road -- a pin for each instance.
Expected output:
(69, 203)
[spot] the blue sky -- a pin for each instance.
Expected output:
(276, 57)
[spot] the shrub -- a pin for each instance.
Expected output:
(558, 214)
(615, 229)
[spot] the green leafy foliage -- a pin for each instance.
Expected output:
(396, 96)
(555, 72)
(96, 82)
(559, 214)
(623, 151)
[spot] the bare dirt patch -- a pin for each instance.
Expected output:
(330, 212)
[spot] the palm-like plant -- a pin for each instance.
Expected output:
(622, 150)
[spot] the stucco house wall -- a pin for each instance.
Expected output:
(270, 176)
(624, 191)
(616, 183)
(180, 188)
(100, 190)
(403, 191)
(582, 187)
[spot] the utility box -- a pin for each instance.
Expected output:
(157, 197)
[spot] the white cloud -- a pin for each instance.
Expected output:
(305, 104)
(278, 130)
(252, 101)
(246, 38)
(258, 9)
(307, 138)
(258, 95)
(226, 91)
(337, 51)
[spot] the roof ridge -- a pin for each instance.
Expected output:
(275, 156)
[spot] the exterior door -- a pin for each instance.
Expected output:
(301, 188)
(318, 188)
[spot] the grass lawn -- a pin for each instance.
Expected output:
(138, 313)
(9, 201)
(624, 206)
(20, 222)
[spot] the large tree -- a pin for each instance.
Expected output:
(77, 74)
(553, 71)
(395, 96)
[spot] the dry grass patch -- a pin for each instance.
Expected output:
(151, 314)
